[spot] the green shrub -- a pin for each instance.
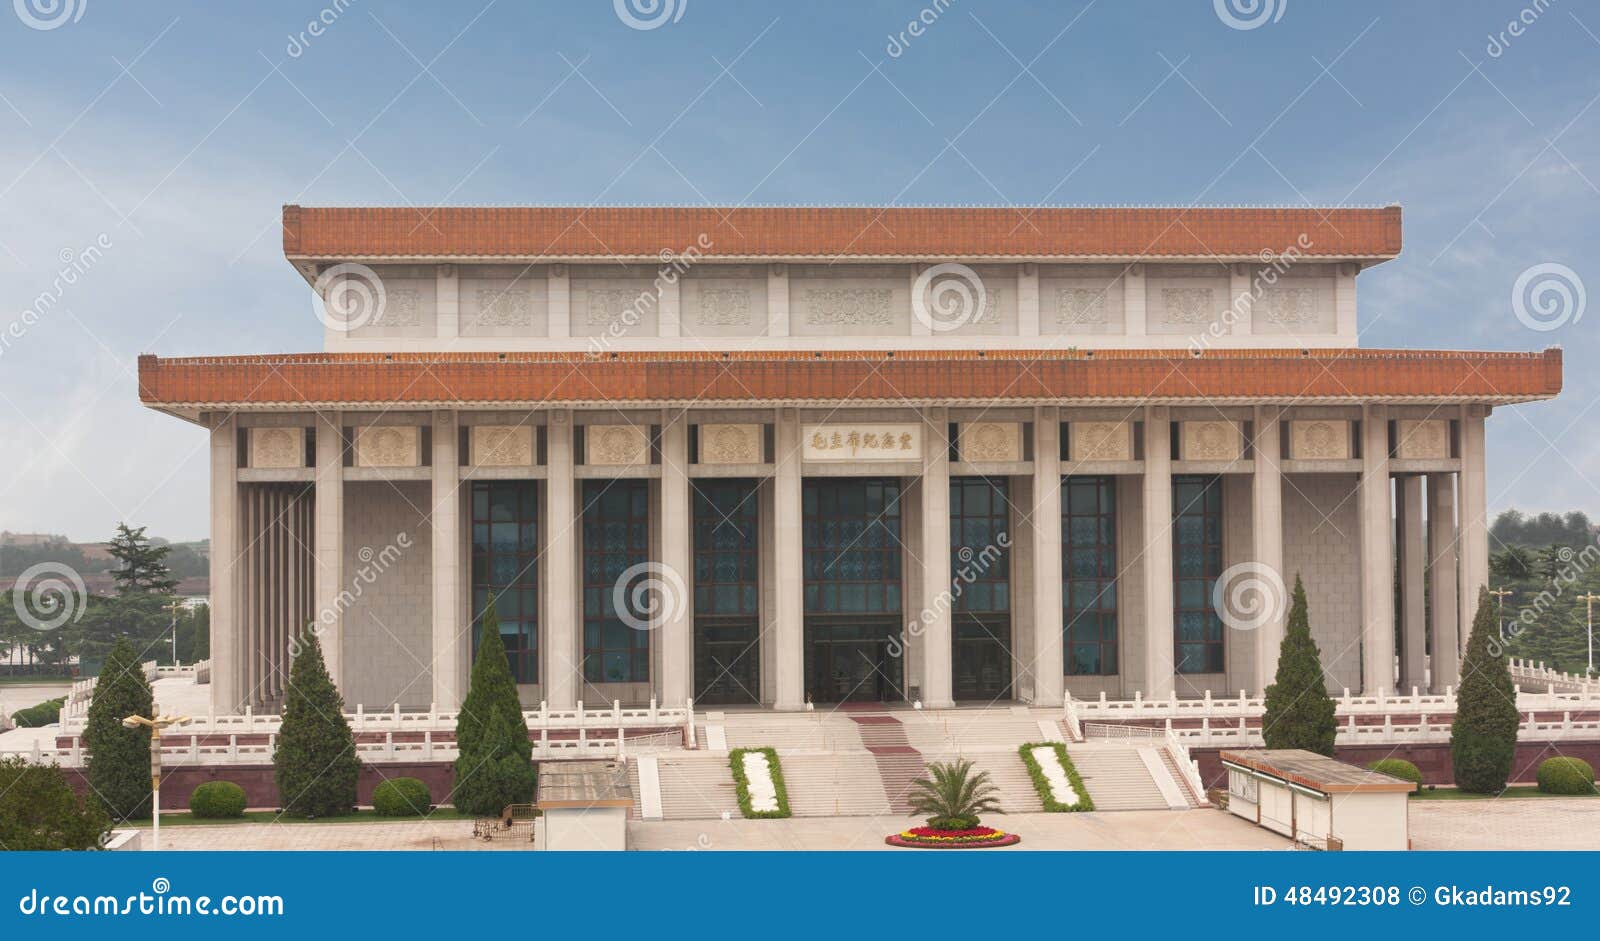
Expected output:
(119, 757)
(1299, 711)
(1563, 775)
(315, 764)
(401, 797)
(39, 716)
(217, 800)
(40, 811)
(1483, 735)
(494, 759)
(742, 783)
(1042, 784)
(1399, 768)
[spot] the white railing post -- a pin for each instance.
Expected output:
(427, 744)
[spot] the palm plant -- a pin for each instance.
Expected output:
(952, 796)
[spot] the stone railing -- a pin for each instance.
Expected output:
(1526, 672)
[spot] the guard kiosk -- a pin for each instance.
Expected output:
(1318, 801)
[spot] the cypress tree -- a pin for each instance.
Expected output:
(493, 763)
(315, 763)
(1483, 737)
(1300, 714)
(119, 757)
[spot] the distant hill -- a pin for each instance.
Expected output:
(189, 561)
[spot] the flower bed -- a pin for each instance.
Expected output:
(1060, 789)
(758, 781)
(973, 838)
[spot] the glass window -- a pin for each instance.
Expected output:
(1196, 563)
(851, 533)
(980, 566)
(505, 566)
(726, 559)
(1089, 574)
(616, 537)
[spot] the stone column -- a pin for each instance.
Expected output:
(1048, 662)
(1377, 553)
(558, 302)
(1474, 512)
(777, 300)
(1159, 641)
(936, 569)
(677, 562)
(1028, 300)
(449, 633)
(1444, 613)
(226, 568)
(562, 667)
(787, 627)
(1413, 565)
(328, 542)
(1266, 504)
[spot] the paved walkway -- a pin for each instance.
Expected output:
(1529, 823)
(1134, 830)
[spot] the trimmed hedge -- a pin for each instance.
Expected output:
(217, 800)
(39, 715)
(1042, 784)
(1399, 768)
(742, 783)
(1563, 775)
(402, 797)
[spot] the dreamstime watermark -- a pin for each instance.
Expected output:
(49, 595)
(1548, 297)
(948, 297)
(674, 265)
(1249, 595)
(647, 594)
(374, 562)
(348, 296)
(972, 564)
(926, 17)
(1274, 265)
(326, 17)
(74, 265)
(49, 14)
(1501, 41)
(1573, 564)
(1249, 14)
(645, 15)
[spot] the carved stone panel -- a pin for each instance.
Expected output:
(1211, 441)
(1422, 440)
(1319, 440)
(389, 446)
(853, 442)
(731, 444)
(990, 441)
(502, 445)
(1100, 441)
(616, 445)
(277, 447)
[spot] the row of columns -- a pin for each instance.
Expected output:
(1425, 526)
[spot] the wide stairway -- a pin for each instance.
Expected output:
(1117, 777)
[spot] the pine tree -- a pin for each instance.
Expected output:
(1483, 737)
(1300, 714)
(493, 763)
(142, 565)
(315, 763)
(119, 757)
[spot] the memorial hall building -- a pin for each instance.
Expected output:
(771, 456)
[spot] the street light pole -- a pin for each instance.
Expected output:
(172, 623)
(1499, 606)
(156, 723)
(1589, 600)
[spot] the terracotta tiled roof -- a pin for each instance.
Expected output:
(428, 379)
(949, 232)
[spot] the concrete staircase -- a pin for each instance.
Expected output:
(846, 784)
(898, 763)
(1117, 777)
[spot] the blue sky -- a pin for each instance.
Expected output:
(170, 134)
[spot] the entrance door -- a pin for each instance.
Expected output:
(727, 663)
(727, 608)
(980, 570)
(852, 569)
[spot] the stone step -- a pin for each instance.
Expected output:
(838, 785)
(1116, 777)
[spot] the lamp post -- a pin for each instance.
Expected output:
(1499, 605)
(155, 724)
(172, 624)
(1589, 600)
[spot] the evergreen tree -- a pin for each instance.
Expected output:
(1300, 714)
(142, 566)
(1483, 737)
(119, 757)
(494, 757)
(40, 811)
(315, 763)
